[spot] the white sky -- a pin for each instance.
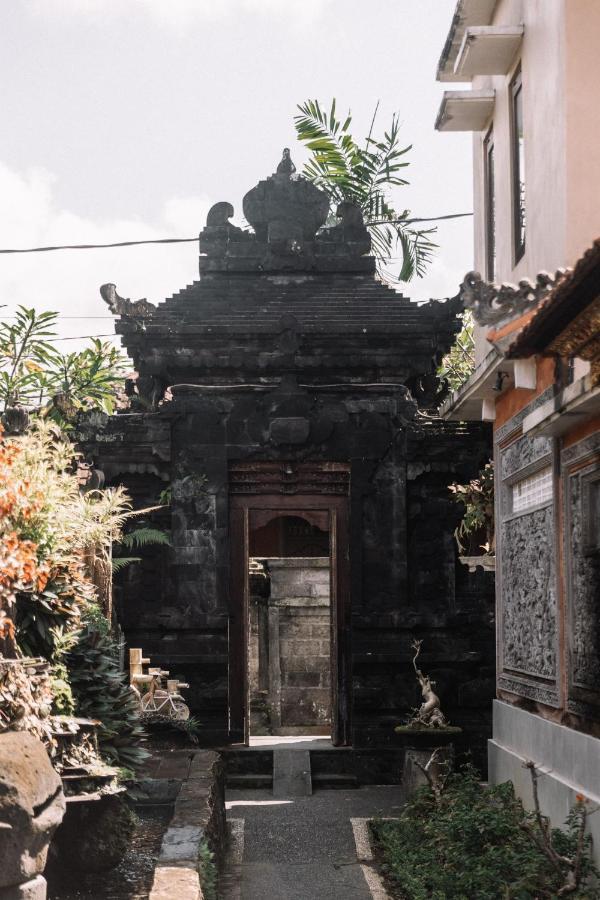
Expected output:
(126, 119)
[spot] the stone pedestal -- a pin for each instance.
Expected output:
(420, 745)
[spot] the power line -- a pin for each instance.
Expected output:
(194, 239)
(99, 246)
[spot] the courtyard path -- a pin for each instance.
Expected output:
(302, 848)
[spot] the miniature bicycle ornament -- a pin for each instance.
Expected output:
(162, 698)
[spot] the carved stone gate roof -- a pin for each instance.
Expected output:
(289, 296)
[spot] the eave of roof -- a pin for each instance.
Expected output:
(578, 287)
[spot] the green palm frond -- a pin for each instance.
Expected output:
(364, 175)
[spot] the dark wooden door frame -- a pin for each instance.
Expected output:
(302, 505)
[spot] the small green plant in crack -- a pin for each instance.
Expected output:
(207, 870)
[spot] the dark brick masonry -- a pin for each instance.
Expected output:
(290, 351)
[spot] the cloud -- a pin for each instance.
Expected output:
(181, 13)
(68, 280)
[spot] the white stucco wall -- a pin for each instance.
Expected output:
(568, 763)
(582, 32)
(561, 72)
(560, 67)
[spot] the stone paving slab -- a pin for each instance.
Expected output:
(304, 848)
(291, 773)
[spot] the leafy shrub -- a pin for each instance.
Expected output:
(471, 845)
(477, 498)
(101, 691)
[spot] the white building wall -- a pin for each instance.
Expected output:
(567, 760)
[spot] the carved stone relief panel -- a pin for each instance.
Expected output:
(583, 582)
(528, 578)
(524, 453)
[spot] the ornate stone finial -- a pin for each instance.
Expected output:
(219, 214)
(492, 303)
(121, 306)
(285, 209)
(286, 166)
(351, 230)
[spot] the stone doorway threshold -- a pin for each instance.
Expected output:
(299, 741)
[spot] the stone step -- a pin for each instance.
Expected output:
(249, 780)
(330, 780)
(291, 773)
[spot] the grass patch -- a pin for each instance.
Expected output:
(472, 846)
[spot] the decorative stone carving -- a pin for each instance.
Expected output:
(219, 215)
(514, 423)
(121, 306)
(351, 231)
(524, 452)
(528, 572)
(533, 690)
(491, 303)
(32, 806)
(286, 166)
(584, 585)
(582, 338)
(289, 430)
(282, 208)
(220, 232)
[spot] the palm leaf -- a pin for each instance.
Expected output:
(364, 175)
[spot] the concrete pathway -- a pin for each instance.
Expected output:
(301, 848)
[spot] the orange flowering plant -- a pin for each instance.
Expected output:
(47, 527)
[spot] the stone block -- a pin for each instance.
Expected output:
(181, 843)
(179, 882)
(34, 889)
(32, 804)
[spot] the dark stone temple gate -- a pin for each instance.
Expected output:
(290, 380)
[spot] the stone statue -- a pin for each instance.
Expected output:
(121, 306)
(286, 166)
(429, 712)
(32, 806)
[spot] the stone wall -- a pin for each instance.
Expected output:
(289, 648)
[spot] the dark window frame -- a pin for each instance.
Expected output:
(518, 173)
(489, 203)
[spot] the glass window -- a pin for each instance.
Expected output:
(533, 490)
(490, 206)
(518, 164)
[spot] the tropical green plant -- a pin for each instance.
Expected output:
(477, 498)
(364, 174)
(33, 373)
(101, 691)
(136, 539)
(459, 362)
(84, 380)
(25, 354)
(478, 842)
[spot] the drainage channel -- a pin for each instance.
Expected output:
(132, 878)
(178, 801)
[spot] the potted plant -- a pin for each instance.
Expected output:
(476, 529)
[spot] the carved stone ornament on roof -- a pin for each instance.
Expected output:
(121, 306)
(286, 166)
(492, 303)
